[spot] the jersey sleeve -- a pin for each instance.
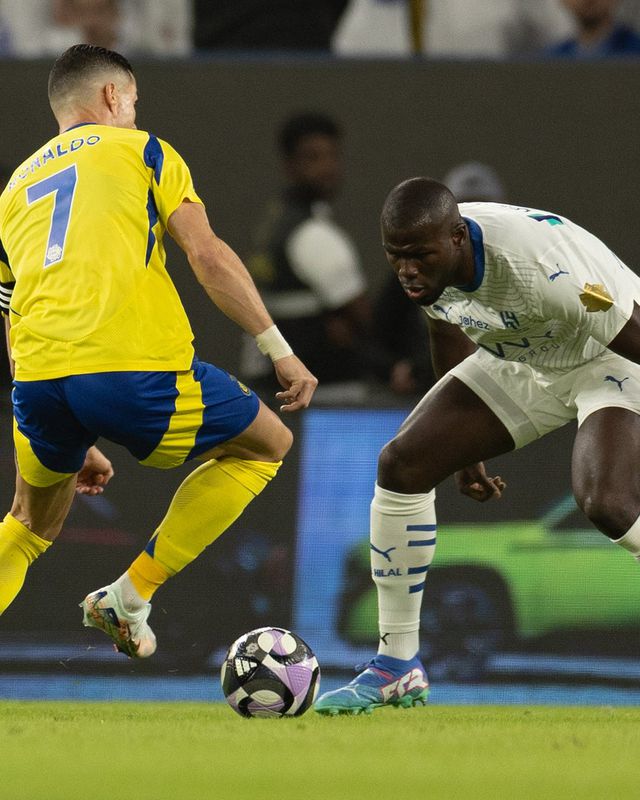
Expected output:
(7, 281)
(171, 182)
(596, 295)
(323, 257)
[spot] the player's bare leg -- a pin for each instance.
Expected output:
(35, 520)
(605, 474)
(449, 430)
(43, 509)
(209, 500)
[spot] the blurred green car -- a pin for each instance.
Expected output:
(527, 585)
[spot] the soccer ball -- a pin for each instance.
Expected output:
(270, 672)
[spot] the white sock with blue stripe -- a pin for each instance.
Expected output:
(631, 540)
(403, 542)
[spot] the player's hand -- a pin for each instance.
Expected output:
(95, 474)
(296, 380)
(475, 483)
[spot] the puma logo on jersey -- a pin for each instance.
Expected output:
(615, 380)
(557, 274)
(443, 311)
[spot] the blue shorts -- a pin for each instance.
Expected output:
(162, 418)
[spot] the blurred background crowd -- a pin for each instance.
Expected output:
(430, 28)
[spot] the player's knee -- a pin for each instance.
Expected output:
(41, 524)
(609, 512)
(281, 443)
(399, 470)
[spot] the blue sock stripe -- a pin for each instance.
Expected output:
(422, 542)
(422, 527)
(416, 587)
(417, 570)
(151, 545)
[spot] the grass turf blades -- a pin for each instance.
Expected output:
(183, 751)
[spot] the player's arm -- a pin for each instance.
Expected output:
(627, 342)
(449, 346)
(228, 283)
(95, 474)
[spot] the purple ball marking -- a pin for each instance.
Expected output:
(277, 646)
(297, 677)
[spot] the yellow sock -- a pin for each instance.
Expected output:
(208, 501)
(19, 548)
(147, 575)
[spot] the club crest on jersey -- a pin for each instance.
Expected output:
(244, 388)
(54, 253)
(595, 297)
(509, 319)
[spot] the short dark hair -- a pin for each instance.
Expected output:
(302, 125)
(79, 61)
(415, 202)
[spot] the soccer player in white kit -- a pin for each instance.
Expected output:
(533, 322)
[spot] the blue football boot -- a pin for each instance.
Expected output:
(386, 681)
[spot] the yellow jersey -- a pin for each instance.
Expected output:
(82, 262)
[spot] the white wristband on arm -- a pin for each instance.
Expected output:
(273, 344)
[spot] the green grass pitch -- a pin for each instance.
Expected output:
(176, 751)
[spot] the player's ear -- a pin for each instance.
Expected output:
(459, 233)
(110, 93)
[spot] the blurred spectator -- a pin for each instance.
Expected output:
(600, 32)
(475, 181)
(451, 28)
(266, 24)
(399, 324)
(33, 28)
(99, 21)
(308, 270)
(30, 29)
(373, 27)
(5, 37)
(163, 28)
(630, 12)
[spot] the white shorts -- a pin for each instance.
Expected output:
(531, 402)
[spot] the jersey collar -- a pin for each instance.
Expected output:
(477, 243)
(78, 125)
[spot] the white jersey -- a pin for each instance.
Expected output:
(545, 292)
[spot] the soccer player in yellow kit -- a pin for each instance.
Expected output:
(101, 344)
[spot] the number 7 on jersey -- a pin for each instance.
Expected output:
(62, 185)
